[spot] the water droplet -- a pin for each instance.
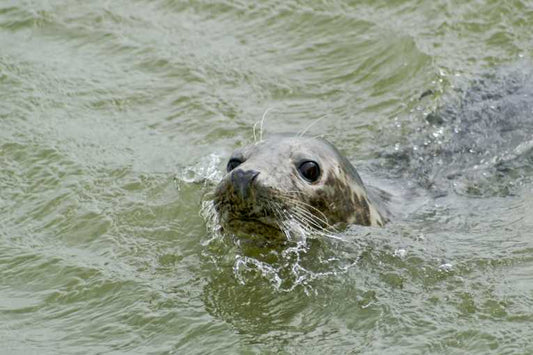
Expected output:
(446, 267)
(401, 253)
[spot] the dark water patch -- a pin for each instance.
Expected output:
(478, 142)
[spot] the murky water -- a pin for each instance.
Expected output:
(116, 118)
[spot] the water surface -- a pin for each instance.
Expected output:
(116, 120)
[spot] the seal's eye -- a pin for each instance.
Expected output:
(232, 164)
(309, 170)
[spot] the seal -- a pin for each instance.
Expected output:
(274, 184)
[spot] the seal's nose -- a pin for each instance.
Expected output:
(242, 181)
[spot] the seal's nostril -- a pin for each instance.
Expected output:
(242, 181)
(254, 175)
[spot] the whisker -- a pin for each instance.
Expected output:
(322, 216)
(305, 220)
(308, 219)
(262, 121)
(301, 133)
(331, 236)
(300, 203)
(290, 197)
(253, 130)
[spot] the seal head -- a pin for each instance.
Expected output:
(277, 182)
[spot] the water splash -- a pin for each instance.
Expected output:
(305, 256)
(204, 172)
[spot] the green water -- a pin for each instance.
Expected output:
(116, 118)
